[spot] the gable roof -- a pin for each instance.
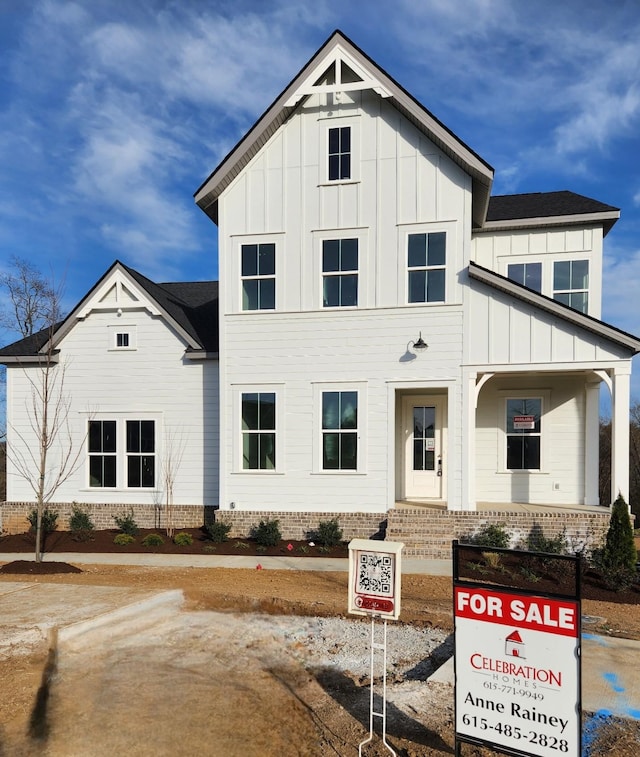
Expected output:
(547, 209)
(352, 69)
(191, 307)
(558, 309)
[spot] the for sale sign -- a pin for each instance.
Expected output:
(517, 665)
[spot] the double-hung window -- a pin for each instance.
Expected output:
(339, 153)
(523, 431)
(339, 273)
(258, 274)
(528, 274)
(141, 450)
(571, 283)
(258, 430)
(122, 452)
(340, 430)
(102, 453)
(426, 260)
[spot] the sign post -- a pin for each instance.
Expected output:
(374, 590)
(517, 662)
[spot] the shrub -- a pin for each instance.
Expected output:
(183, 539)
(552, 545)
(80, 523)
(123, 539)
(618, 557)
(49, 520)
(267, 533)
(218, 531)
(152, 540)
(329, 533)
(126, 523)
(491, 535)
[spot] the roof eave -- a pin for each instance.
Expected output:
(29, 359)
(606, 219)
(595, 326)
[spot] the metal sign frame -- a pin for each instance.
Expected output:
(517, 658)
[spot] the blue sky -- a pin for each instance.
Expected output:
(112, 114)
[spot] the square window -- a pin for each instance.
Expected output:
(527, 274)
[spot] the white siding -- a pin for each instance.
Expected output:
(153, 380)
(561, 480)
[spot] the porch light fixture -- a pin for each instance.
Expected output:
(419, 344)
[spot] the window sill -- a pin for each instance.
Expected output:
(528, 471)
(338, 182)
(338, 473)
(257, 472)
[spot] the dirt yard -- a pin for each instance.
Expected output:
(261, 699)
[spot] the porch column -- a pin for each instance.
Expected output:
(469, 440)
(592, 444)
(620, 432)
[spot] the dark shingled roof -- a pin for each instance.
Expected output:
(193, 305)
(543, 205)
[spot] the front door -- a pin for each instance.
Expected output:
(423, 430)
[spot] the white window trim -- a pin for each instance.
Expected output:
(404, 230)
(336, 123)
(237, 437)
(121, 451)
(113, 332)
(344, 386)
(544, 395)
(364, 254)
(235, 306)
(586, 291)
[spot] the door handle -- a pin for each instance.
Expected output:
(439, 465)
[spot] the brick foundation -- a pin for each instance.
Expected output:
(425, 533)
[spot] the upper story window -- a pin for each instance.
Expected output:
(340, 430)
(427, 267)
(528, 274)
(571, 283)
(523, 433)
(122, 339)
(339, 273)
(258, 273)
(339, 153)
(258, 430)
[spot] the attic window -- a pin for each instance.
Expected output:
(339, 153)
(122, 337)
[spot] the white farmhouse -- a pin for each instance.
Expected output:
(395, 346)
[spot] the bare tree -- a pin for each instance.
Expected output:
(33, 302)
(47, 453)
(173, 452)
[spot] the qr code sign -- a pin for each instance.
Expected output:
(375, 574)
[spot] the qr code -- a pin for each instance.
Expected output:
(375, 574)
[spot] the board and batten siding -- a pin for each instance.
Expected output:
(561, 478)
(153, 381)
(496, 250)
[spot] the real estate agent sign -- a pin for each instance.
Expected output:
(517, 670)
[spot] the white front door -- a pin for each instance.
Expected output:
(423, 419)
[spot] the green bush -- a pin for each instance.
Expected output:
(183, 539)
(618, 557)
(126, 523)
(49, 520)
(329, 533)
(123, 539)
(152, 540)
(491, 535)
(80, 523)
(552, 545)
(267, 533)
(218, 531)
